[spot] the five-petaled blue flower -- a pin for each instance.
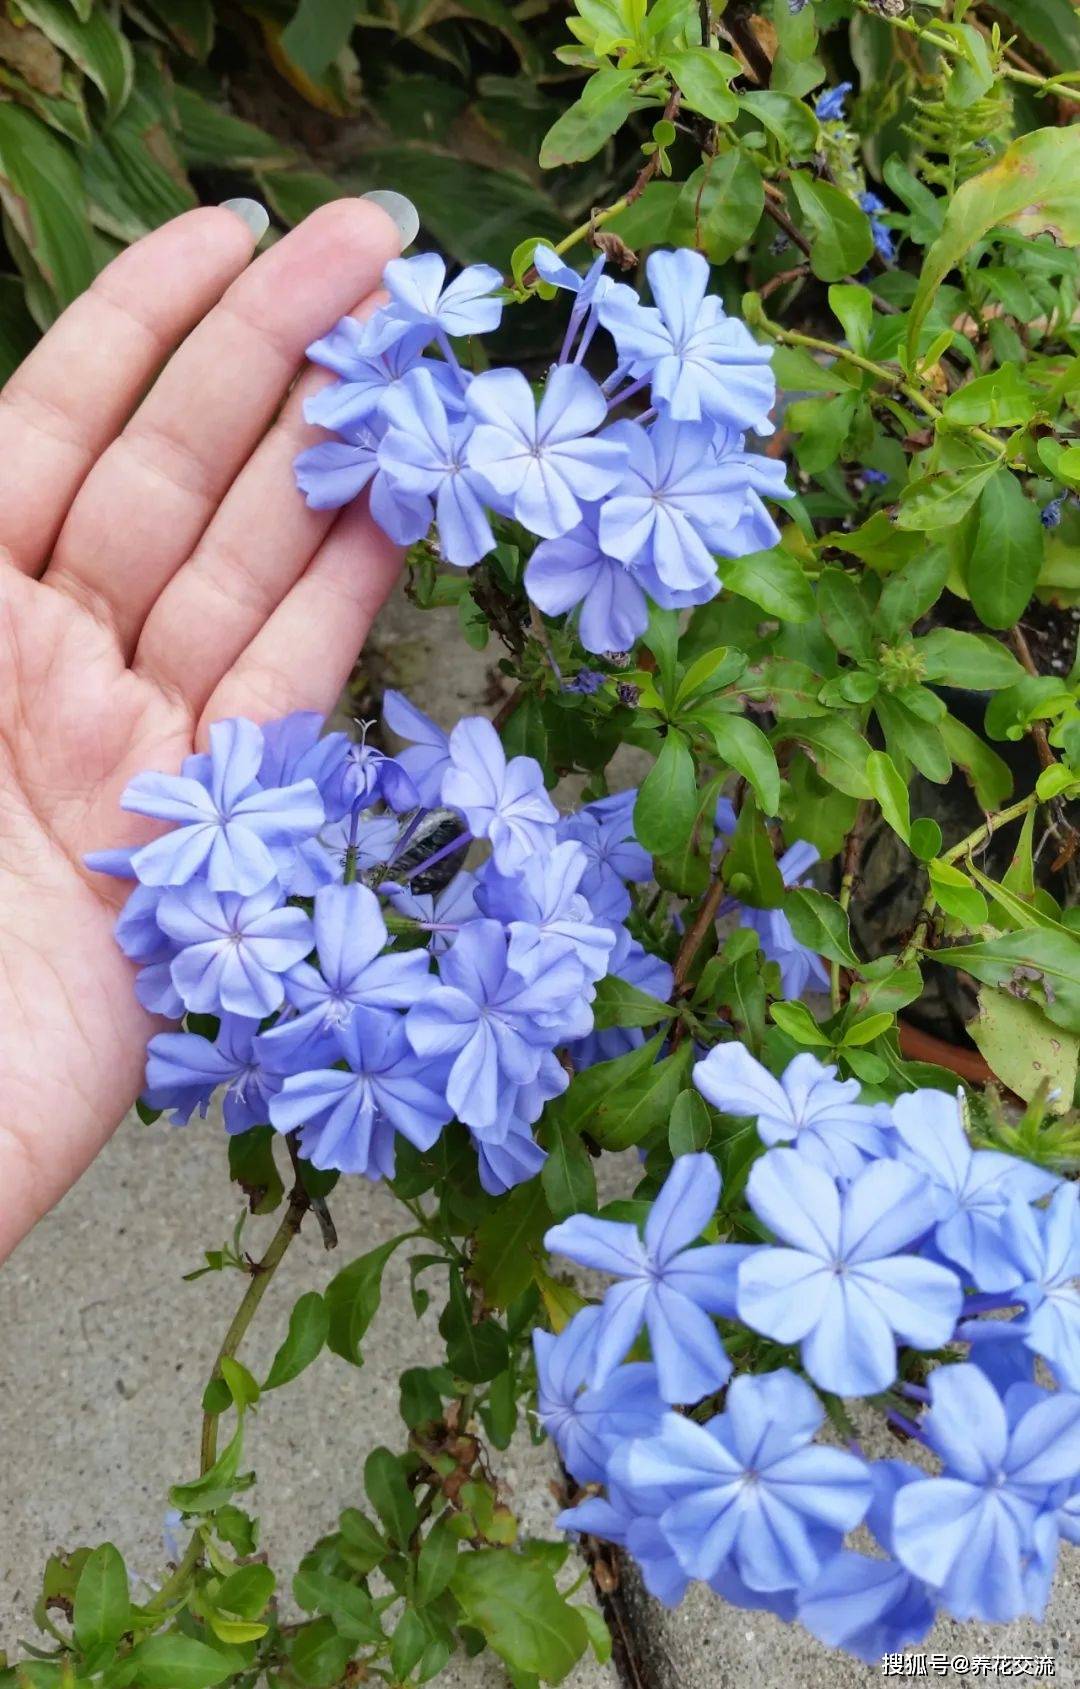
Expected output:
(664, 1285)
(575, 570)
(232, 950)
(423, 453)
(839, 1284)
(586, 1424)
(503, 801)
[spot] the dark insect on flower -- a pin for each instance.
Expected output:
(778, 245)
(617, 659)
(1050, 514)
(628, 694)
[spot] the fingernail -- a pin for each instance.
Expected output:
(253, 215)
(401, 212)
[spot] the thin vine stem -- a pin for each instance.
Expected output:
(1055, 85)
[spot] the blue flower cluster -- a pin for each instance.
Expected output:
(889, 1231)
(350, 1006)
(625, 508)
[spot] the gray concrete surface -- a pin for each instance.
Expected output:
(104, 1352)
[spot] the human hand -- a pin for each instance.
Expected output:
(158, 571)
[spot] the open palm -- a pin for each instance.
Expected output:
(157, 572)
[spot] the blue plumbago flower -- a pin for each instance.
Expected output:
(799, 966)
(231, 951)
(829, 106)
(701, 362)
(575, 569)
(227, 826)
(630, 961)
(294, 751)
(541, 465)
(607, 837)
(664, 1284)
(542, 909)
(368, 378)
(631, 1519)
(420, 297)
(969, 1190)
(839, 1286)
(587, 1424)
(870, 1607)
(1050, 514)
(505, 802)
(511, 1161)
(353, 971)
(749, 1489)
(664, 512)
(335, 472)
(142, 940)
(427, 758)
(586, 681)
(874, 477)
(883, 240)
(588, 289)
(442, 914)
(348, 1120)
(423, 453)
(1039, 1255)
(756, 477)
(183, 1070)
(366, 776)
(984, 1533)
(494, 1023)
(807, 1107)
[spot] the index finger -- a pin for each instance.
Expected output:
(72, 396)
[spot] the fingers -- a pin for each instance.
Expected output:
(75, 391)
(305, 653)
(255, 549)
(146, 503)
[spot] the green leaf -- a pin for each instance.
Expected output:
(911, 591)
(643, 1105)
(102, 1611)
(567, 1176)
(95, 44)
(719, 207)
(477, 1351)
(704, 76)
(390, 1495)
(891, 792)
(989, 774)
(840, 238)
(217, 1484)
(309, 1324)
(956, 894)
(253, 1168)
(247, 1591)
(319, 1653)
(352, 1300)
(242, 1388)
(316, 33)
(514, 1603)
(943, 497)
(1007, 553)
(786, 118)
(818, 921)
(211, 135)
(1036, 962)
(174, 1661)
(844, 613)
(667, 799)
(1002, 399)
(505, 1241)
(971, 661)
(42, 193)
(436, 1562)
(189, 22)
(1032, 187)
(407, 1645)
(796, 1020)
(602, 108)
(349, 1607)
(853, 306)
(592, 1092)
(743, 747)
(618, 1003)
(1023, 1048)
(836, 748)
(690, 1126)
(749, 865)
(774, 581)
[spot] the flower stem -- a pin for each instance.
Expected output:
(1055, 85)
